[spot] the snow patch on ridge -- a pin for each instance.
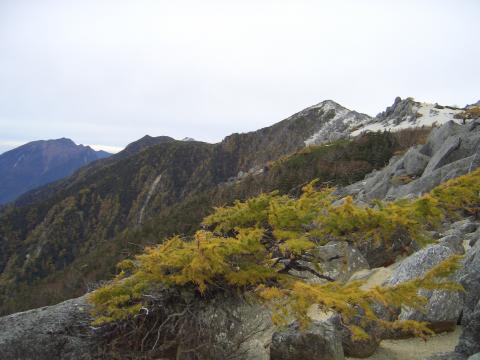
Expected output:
(427, 115)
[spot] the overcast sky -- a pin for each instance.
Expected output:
(108, 72)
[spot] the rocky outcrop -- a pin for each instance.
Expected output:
(400, 111)
(450, 151)
(443, 308)
(410, 113)
(59, 332)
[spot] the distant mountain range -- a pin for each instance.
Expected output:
(40, 162)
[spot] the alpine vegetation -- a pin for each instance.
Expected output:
(260, 250)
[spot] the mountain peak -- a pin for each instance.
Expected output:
(336, 122)
(327, 105)
(40, 162)
(63, 140)
(142, 144)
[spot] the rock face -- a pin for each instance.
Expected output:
(58, 332)
(444, 307)
(320, 341)
(450, 151)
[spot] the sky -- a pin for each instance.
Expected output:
(107, 72)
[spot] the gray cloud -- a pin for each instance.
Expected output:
(108, 72)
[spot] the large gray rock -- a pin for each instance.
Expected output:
(443, 308)
(418, 264)
(415, 162)
(59, 332)
(320, 341)
(440, 156)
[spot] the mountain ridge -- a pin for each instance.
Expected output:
(52, 232)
